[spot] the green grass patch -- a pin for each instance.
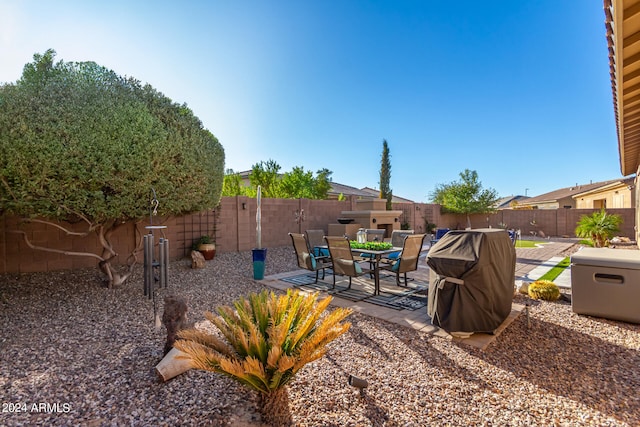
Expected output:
(529, 243)
(586, 242)
(552, 274)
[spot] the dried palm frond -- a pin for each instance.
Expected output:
(268, 338)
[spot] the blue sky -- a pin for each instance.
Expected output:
(517, 90)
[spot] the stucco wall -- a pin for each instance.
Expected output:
(620, 197)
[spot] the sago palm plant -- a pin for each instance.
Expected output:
(599, 227)
(267, 339)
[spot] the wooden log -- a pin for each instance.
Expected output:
(171, 366)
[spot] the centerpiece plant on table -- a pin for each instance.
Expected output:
(373, 246)
(265, 341)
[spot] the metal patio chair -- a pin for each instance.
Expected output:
(408, 259)
(305, 257)
(342, 259)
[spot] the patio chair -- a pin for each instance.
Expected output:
(344, 264)
(315, 238)
(408, 259)
(374, 235)
(305, 258)
(440, 232)
(397, 241)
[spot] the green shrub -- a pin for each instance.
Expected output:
(544, 289)
(429, 227)
(202, 240)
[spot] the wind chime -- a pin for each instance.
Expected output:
(156, 271)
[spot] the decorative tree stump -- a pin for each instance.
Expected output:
(174, 319)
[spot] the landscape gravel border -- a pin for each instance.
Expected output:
(84, 355)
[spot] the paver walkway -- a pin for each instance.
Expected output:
(531, 261)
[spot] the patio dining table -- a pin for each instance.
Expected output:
(376, 256)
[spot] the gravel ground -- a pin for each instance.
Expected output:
(84, 355)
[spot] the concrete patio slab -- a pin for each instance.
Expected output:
(414, 319)
(531, 263)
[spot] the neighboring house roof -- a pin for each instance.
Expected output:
(622, 24)
(612, 184)
(347, 190)
(505, 202)
(563, 193)
(394, 199)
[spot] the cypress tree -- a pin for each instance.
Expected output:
(385, 174)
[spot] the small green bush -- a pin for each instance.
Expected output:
(202, 240)
(544, 289)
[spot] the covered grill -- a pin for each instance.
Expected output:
(472, 280)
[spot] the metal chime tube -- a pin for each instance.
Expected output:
(145, 274)
(165, 267)
(161, 273)
(148, 265)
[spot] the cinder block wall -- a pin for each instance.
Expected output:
(233, 224)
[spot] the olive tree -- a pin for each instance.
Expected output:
(80, 143)
(232, 185)
(465, 196)
(299, 183)
(267, 176)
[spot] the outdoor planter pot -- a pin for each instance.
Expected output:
(259, 257)
(208, 250)
(259, 253)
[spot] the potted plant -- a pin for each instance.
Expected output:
(259, 253)
(205, 246)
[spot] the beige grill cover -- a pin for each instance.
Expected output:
(472, 280)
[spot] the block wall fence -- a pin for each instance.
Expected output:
(233, 224)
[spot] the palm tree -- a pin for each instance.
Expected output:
(267, 339)
(599, 227)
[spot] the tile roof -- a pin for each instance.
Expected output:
(347, 190)
(373, 192)
(562, 193)
(622, 24)
(504, 202)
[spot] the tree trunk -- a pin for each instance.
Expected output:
(274, 408)
(114, 277)
(104, 232)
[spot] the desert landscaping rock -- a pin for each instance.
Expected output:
(87, 353)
